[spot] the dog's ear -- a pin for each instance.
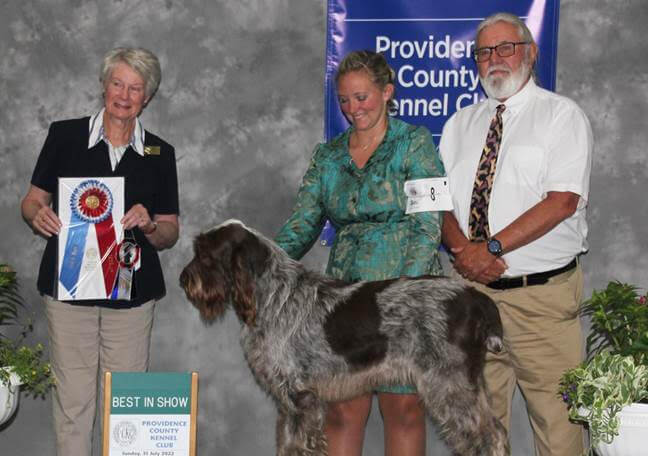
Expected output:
(203, 280)
(243, 288)
(249, 258)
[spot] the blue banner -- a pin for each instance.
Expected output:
(429, 45)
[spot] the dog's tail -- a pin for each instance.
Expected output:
(473, 318)
(492, 325)
(489, 329)
(494, 344)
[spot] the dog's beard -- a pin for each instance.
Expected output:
(207, 294)
(503, 87)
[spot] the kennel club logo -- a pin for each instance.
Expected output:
(125, 433)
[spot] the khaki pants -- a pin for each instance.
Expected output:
(543, 338)
(86, 342)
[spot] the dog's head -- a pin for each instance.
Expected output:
(227, 260)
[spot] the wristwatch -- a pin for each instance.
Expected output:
(494, 247)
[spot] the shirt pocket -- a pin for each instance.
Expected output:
(523, 166)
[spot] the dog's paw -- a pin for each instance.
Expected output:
(316, 444)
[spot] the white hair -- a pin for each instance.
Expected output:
(141, 60)
(523, 30)
(506, 87)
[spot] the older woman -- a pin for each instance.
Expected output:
(89, 337)
(357, 181)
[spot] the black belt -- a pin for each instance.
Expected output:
(531, 279)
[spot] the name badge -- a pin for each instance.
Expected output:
(427, 195)
(151, 150)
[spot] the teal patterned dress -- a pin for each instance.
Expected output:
(375, 239)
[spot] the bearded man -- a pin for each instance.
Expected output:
(518, 165)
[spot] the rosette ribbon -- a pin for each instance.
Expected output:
(91, 203)
(128, 254)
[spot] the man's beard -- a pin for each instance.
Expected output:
(503, 87)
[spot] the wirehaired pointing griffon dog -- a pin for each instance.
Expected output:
(309, 339)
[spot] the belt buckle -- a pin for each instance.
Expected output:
(524, 281)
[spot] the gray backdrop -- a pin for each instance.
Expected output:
(242, 100)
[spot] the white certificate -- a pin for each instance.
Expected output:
(90, 209)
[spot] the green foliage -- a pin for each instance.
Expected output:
(619, 321)
(10, 300)
(27, 362)
(616, 371)
(598, 389)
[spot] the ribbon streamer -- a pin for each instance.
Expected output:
(91, 203)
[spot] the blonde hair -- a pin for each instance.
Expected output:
(373, 63)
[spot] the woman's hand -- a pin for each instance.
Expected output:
(138, 216)
(46, 222)
(161, 231)
(38, 214)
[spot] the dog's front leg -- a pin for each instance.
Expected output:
(285, 433)
(301, 433)
(310, 427)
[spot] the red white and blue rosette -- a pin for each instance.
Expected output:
(91, 203)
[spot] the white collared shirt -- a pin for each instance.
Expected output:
(546, 146)
(115, 153)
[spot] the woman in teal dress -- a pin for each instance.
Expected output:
(357, 181)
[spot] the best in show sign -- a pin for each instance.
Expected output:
(150, 414)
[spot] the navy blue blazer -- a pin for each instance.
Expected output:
(150, 180)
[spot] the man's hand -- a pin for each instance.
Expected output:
(474, 262)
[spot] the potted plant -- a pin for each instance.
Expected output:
(20, 364)
(611, 386)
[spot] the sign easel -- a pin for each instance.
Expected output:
(150, 413)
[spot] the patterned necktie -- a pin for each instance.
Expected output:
(478, 221)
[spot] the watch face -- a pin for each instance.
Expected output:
(494, 247)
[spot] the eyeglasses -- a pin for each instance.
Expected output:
(483, 54)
